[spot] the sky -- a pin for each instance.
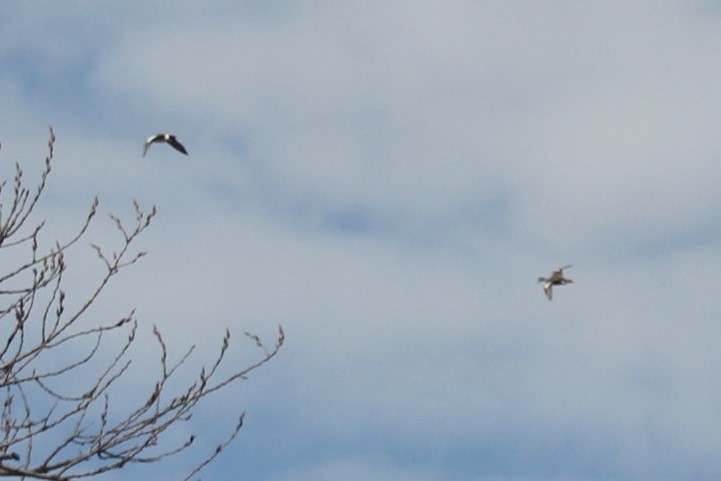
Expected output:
(386, 180)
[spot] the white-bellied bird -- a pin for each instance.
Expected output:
(556, 279)
(168, 139)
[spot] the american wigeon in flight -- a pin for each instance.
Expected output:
(556, 279)
(168, 139)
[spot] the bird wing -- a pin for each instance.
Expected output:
(149, 141)
(177, 145)
(548, 290)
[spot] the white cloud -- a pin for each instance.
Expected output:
(387, 180)
(358, 469)
(454, 107)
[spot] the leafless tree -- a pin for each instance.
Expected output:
(59, 419)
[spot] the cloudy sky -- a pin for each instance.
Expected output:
(387, 179)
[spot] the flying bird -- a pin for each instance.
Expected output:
(168, 139)
(556, 279)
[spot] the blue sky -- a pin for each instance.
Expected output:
(387, 179)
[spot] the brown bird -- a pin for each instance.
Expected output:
(168, 139)
(556, 279)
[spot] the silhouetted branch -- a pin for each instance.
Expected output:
(59, 418)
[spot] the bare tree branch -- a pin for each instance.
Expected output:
(60, 419)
